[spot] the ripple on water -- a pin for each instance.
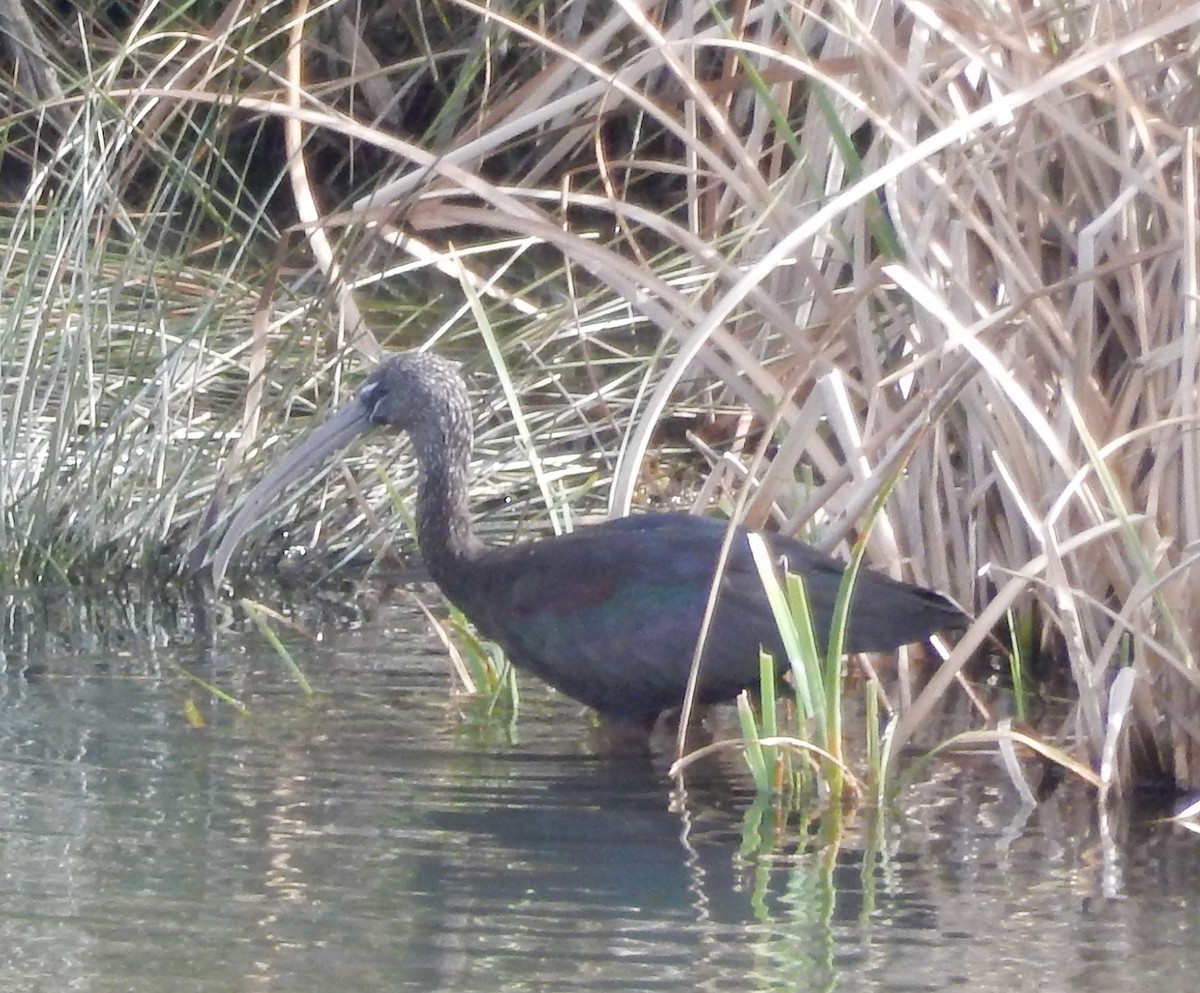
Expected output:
(374, 839)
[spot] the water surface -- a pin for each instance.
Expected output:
(376, 838)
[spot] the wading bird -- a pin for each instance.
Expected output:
(608, 614)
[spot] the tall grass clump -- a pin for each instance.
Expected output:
(850, 237)
(798, 763)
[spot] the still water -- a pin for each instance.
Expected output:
(377, 838)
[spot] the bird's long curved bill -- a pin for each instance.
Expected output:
(342, 427)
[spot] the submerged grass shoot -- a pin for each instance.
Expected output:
(210, 688)
(491, 674)
(262, 616)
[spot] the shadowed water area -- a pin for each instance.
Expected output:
(379, 838)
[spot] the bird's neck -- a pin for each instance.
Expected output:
(443, 518)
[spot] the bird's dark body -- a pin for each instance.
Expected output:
(610, 614)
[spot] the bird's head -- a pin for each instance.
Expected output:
(414, 392)
(411, 390)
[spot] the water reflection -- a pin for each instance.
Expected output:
(375, 840)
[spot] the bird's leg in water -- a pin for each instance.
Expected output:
(699, 732)
(621, 735)
(633, 735)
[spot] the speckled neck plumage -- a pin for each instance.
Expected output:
(442, 441)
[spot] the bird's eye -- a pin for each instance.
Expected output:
(371, 396)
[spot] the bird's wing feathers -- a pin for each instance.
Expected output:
(615, 612)
(611, 614)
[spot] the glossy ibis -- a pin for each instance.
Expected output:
(609, 614)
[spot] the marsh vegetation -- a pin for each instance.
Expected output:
(771, 260)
